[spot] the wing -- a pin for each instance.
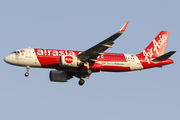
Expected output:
(92, 53)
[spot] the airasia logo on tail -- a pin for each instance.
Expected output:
(156, 46)
(68, 59)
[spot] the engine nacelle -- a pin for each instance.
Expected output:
(69, 61)
(59, 76)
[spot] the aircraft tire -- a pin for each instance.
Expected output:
(26, 74)
(88, 71)
(81, 82)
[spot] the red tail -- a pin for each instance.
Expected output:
(158, 46)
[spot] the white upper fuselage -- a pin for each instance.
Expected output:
(23, 57)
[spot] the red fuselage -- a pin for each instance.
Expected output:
(113, 62)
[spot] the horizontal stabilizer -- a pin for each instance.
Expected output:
(163, 57)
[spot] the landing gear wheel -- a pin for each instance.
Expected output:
(88, 71)
(26, 74)
(27, 69)
(81, 82)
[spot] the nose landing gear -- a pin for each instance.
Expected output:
(81, 82)
(27, 69)
(26, 74)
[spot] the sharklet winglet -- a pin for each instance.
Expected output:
(124, 27)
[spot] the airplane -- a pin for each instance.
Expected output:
(81, 64)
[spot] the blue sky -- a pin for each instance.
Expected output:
(78, 25)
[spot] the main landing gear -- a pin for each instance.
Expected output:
(88, 72)
(81, 81)
(27, 69)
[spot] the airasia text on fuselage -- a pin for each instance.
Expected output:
(57, 52)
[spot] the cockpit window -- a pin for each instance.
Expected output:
(15, 52)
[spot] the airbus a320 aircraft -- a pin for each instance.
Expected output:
(82, 64)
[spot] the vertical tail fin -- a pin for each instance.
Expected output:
(158, 46)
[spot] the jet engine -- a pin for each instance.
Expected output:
(59, 76)
(69, 61)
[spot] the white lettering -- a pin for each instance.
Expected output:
(148, 54)
(45, 51)
(56, 52)
(61, 52)
(49, 52)
(155, 48)
(66, 53)
(71, 53)
(79, 53)
(40, 52)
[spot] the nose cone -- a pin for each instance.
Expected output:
(10, 60)
(7, 59)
